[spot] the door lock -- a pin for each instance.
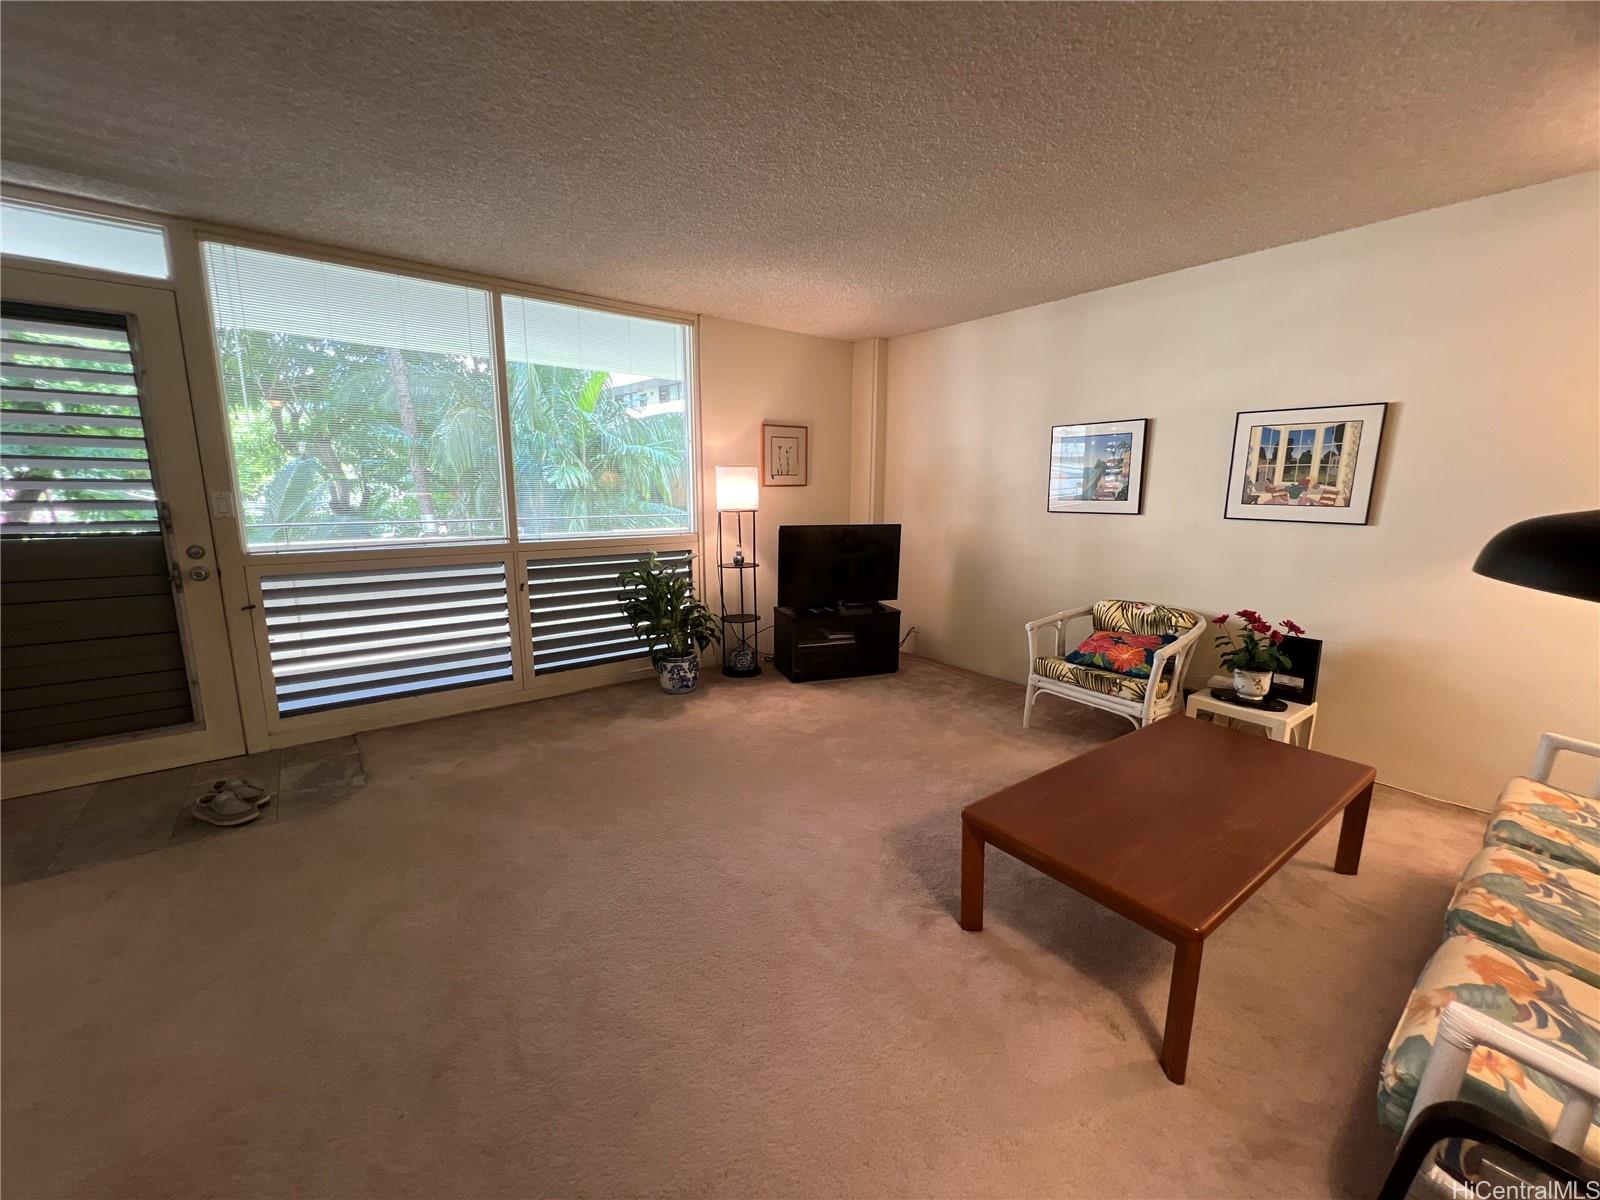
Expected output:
(196, 551)
(199, 574)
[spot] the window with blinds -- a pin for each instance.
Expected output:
(575, 607)
(361, 404)
(600, 421)
(355, 637)
(72, 447)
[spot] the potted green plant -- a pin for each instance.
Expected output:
(665, 615)
(1256, 653)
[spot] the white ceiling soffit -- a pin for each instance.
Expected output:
(849, 170)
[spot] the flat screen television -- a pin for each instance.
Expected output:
(823, 565)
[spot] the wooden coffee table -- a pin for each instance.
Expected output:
(1173, 827)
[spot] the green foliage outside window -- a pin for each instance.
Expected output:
(342, 442)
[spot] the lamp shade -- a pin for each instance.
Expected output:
(738, 489)
(1559, 553)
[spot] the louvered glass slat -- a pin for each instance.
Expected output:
(73, 420)
(575, 609)
(40, 373)
(79, 398)
(332, 666)
(142, 487)
(352, 675)
(340, 631)
(82, 528)
(310, 615)
(27, 351)
(80, 441)
(358, 637)
(84, 465)
(59, 332)
(73, 458)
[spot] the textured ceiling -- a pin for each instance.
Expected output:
(848, 170)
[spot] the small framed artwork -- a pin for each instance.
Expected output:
(1097, 468)
(1299, 683)
(785, 455)
(1313, 465)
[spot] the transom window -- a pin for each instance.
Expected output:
(83, 240)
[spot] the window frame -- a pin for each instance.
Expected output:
(238, 572)
(497, 290)
(691, 387)
(513, 550)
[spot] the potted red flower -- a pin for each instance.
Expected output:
(1255, 653)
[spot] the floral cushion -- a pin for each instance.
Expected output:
(1134, 616)
(1120, 653)
(1106, 682)
(1538, 908)
(1548, 820)
(1557, 1009)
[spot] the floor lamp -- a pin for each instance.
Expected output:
(739, 494)
(1558, 553)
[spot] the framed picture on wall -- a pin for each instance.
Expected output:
(785, 455)
(1313, 465)
(1097, 468)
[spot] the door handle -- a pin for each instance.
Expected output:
(199, 574)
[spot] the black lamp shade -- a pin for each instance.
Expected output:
(1559, 553)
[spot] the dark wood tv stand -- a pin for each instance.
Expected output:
(836, 643)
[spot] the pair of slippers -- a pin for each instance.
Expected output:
(231, 802)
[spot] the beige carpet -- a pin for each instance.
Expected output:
(622, 944)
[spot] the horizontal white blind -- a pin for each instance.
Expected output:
(361, 404)
(359, 636)
(566, 335)
(575, 605)
(103, 243)
(281, 293)
(72, 443)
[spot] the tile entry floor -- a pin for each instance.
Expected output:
(52, 832)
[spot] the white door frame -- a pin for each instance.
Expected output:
(217, 731)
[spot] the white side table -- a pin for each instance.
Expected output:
(1294, 724)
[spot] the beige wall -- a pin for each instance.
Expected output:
(1477, 322)
(750, 374)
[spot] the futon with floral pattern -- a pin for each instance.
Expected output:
(1522, 947)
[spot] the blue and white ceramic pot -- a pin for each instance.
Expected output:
(680, 674)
